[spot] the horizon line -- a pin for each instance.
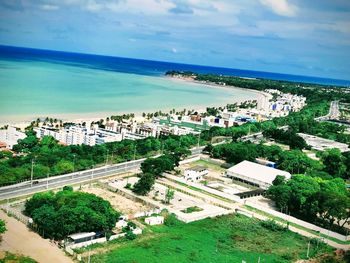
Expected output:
(180, 63)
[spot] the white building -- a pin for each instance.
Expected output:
(10, 136)
(154, 220)
(195, 173)
(77, 135)
(256, 174)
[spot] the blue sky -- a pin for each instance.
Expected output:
(285, 36)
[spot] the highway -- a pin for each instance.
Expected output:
(26, 188)
(333, 113)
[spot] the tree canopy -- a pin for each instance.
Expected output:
(67, 212)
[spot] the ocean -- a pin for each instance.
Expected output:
(39, 83)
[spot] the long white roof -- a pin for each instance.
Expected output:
(82, 235)
(257, 171)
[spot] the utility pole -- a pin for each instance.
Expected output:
(31, 174)
(135, 157)
(199, 138)
(47, 181)
(89, 258)
(107, 158)
(73, 165)
(92, 173)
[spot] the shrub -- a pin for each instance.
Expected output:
(272, 225)
(171, 220)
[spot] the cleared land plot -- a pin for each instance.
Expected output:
(224, 239)
(181, 201)
(118, 202)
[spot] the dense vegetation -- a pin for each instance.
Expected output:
(222, 239)
(152, 168)
(52, 158)
(68, 212)
(318, 99)
(324, 202)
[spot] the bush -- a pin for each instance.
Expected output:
(272, 225)
(171, 220)
(128, 186)
(68, 188)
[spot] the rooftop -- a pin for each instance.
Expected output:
(197, 168)
(82, 235)
(257, 171)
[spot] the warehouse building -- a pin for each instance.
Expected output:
(255, 174)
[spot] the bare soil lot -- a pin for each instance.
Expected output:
(19, 240)
(118, 202)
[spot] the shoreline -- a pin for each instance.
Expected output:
(23, 120)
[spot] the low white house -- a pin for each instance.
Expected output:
(154, 220)
(256, 174)
(195, 173)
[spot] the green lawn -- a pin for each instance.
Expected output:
(8, 257)
(210, 165)
(224, 239)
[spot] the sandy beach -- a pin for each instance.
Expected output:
(23, 120)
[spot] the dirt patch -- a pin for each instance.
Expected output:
(19, 240)
(118, 202)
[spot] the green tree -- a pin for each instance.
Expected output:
(334, 162)
(2, 226)
(144, 184)
(66, 212)
(169, 195)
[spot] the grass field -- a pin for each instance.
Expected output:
(211, 166)
(6, 257)
(224, 239)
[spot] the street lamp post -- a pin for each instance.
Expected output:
(107, 158)
(32, 174)
(47, 181)
(135, 157)
(73, 166)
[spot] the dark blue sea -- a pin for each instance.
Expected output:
(148, 67)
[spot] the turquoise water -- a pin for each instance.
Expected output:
(30, 89)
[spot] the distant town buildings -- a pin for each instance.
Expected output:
(272, 104)
(10, 136)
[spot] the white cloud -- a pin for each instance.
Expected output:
(93, 6)
(49, 7)
(281, 7)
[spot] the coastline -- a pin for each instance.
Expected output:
(262, 94)
(23, 120)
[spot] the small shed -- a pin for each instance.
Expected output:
(81, 237)
(154, 220)
(195, 173)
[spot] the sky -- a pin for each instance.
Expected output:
(301, 37)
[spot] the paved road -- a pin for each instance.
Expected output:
(26, 188)
(333, 113)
